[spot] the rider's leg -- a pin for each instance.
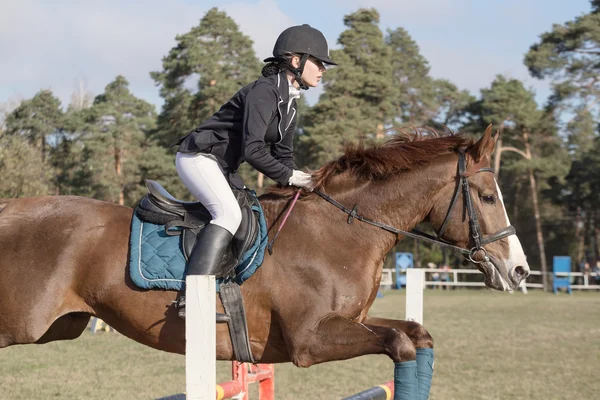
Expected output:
(202, 175)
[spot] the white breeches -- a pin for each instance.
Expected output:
(204, 178)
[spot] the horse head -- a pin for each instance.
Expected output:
(469, 212)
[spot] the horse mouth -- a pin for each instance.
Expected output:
(493, 277)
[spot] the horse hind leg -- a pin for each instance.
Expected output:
(66, 327)
(62, 317)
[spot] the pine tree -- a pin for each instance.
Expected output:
(357, 94)
(413, 87)
(582, 197)
(417, 97)
(21, 171)
(530, 153)
(582, 132)
(570, 56)
(36, 119)
(208, 65)
(116, 144)
(450, 103)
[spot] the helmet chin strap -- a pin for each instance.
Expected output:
(298, 71)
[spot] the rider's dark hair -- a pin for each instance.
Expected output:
(276, 65)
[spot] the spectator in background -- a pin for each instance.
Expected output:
(435, 276)
(445, 275)
(596, 270)
(584, 268)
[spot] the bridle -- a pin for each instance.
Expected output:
(475, 228)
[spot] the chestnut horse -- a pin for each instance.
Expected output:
(64, 258)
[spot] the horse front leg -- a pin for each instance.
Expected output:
(337, 338)
(422, 341)
(414, 330)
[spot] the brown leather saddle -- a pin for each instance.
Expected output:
(188, 218)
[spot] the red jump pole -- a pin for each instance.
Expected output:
(239, 373)
(263, 374)
(229, 389)
(266, 382)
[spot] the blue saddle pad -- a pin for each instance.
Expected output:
(156, 260)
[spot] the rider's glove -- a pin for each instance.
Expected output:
(301, 179)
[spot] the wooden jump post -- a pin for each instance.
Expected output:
(415, 281)
(201, 352)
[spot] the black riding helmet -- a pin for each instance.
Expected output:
(301, 39)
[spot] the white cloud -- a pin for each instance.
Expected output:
(51, 44)
(262, 21)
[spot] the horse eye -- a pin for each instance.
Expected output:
(489, 199)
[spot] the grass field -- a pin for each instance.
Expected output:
(489, 345)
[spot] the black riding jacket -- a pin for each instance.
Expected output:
(255, 116)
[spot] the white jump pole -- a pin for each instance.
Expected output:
(415, 280)
(201, 337)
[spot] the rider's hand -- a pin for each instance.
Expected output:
(301, 179)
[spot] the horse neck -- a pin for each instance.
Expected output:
(401, 201)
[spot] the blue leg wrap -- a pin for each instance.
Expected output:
(424, 371)
(406, 384)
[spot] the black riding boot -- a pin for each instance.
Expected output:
(206, 256)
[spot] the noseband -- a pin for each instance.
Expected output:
(474, 227)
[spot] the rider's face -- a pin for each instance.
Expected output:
(313, 72)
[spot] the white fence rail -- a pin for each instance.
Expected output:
(388, 278)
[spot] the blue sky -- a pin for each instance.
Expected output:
(51, 44)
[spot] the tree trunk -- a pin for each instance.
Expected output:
(498, 152)
(515, 213)
(595, 238)
(416, 253)
(580, 234)
(119, 171)
(536, 211)
(538, 228)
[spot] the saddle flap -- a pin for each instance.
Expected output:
(243, 239)
(187, 219)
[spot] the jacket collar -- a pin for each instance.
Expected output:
(282, 106)
(282, 86)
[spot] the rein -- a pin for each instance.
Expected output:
(270, 244)
(475, 229)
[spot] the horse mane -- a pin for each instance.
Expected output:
(404, 151)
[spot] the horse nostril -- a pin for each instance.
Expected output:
(521, 272)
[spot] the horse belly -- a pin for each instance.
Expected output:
(35, 291)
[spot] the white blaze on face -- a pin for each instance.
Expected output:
(516, 255)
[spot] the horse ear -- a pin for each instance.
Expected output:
(484, 146)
